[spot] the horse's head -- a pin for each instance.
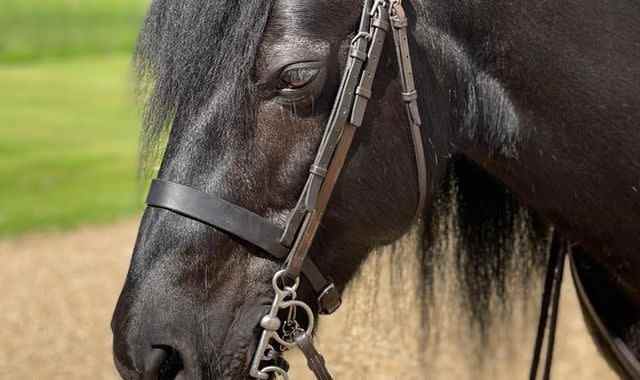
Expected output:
(248, 88)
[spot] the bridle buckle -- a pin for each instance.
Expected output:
(329, 300)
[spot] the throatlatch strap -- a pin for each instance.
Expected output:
(399, 25)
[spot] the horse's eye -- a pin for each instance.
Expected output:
(301, 84)
(298, 76)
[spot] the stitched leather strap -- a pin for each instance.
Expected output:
(337, 138)
(364, 91)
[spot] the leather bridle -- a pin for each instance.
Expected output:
(292, 243)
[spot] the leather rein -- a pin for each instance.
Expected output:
(292, 243)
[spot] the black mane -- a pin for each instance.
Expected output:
(497, 241)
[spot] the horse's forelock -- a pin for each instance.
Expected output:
(186, 50)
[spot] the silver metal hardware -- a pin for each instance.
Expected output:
(329, 300)
(285, 298)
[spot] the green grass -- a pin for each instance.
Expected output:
(42, 29)
(68, 142)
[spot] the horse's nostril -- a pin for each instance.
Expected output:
(162, 363)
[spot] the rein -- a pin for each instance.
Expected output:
(292, 243)
(549, 309)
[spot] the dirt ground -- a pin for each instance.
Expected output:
(58, 291)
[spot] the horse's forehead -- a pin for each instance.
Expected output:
(312, 17)
(303, 30)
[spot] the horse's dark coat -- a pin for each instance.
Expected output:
(542, 97)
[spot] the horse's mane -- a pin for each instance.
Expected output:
(189, 49)
(497, 241)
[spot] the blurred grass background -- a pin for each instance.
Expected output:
(68, 120)
(44, 29)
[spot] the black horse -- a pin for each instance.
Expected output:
(530, 113)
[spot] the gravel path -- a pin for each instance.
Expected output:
(58, 292)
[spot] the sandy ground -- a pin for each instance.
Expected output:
(58, 291)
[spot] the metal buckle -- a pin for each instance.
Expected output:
(397, 15)
(329, 300)
(377, 4)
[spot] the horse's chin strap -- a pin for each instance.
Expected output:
(549, 308)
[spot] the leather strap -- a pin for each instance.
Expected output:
(217, 213)
(315, 360)
(364, 91)
(549, 309)
(337, 138)
(340, 111)
(399, 25)
(240, 222)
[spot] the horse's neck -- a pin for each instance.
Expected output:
(519, 101)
